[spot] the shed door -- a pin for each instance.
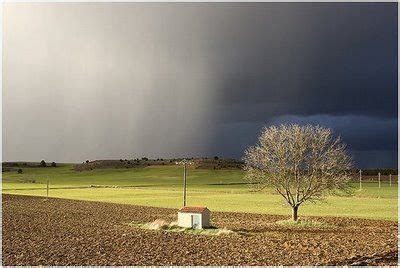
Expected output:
(196, 222)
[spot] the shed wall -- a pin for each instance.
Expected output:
(205, 219)
(185, 219)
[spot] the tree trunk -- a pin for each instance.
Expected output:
(294, 213)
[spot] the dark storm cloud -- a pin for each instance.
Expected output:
(334, 65)
(111, 80)
(335, 59)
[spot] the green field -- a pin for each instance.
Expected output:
(220, 190)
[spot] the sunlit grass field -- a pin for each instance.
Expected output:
(220, 190)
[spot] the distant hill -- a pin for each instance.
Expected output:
(14, 166)
(20, 164)
(198, 163)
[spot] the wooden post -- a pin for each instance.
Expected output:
(47, 195)
(390, 180)
(360, 179)
(379, 179)
(184, 185)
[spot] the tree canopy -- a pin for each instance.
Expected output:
(302, 163)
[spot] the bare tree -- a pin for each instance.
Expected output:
(302, 163)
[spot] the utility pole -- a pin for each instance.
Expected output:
(379, 179)
(184, 162)
(360, 179)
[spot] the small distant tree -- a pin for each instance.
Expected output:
(53, 164)
(43, 163)
(216, 157)
(87, 161)
(19, 171)
(302, 163)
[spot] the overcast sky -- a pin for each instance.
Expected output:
(126, 80)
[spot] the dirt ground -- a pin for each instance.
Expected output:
(69, 232)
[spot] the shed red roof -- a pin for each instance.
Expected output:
(193, 209)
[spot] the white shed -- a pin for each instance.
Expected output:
(194, 217)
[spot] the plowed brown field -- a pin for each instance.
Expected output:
(69, 232)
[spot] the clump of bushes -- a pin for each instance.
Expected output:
(157, 224)
(19, 171)
(43, 163)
